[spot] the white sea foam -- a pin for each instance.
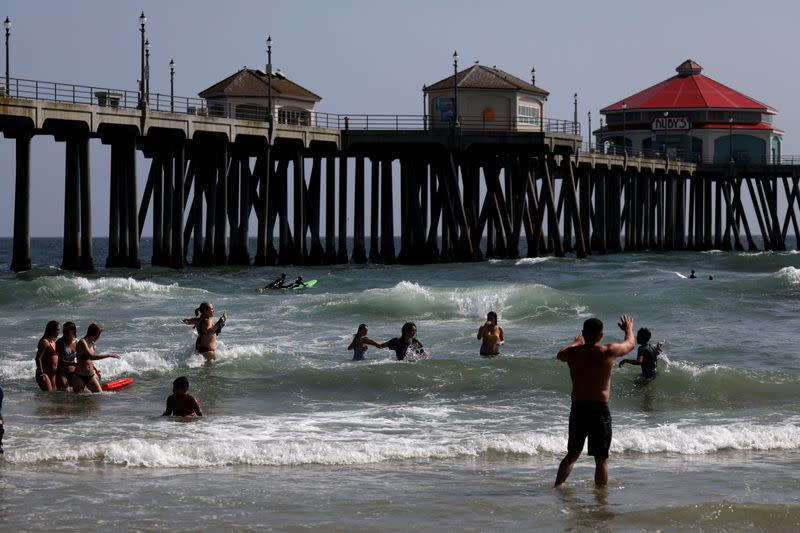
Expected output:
(790, 274)
(532, 260)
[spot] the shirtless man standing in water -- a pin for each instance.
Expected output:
(207, 330)
(590, 364)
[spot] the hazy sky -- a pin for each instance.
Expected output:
(373, 56)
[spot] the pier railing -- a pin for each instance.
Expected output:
(643, 153)
(426, 122)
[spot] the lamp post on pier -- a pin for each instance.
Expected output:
(455, 89)
(7, 25)
(424, 109)
(147, 71)
(575, 114)
(730, 139)
(624, 129)
(171, 85)
(533, 75)
(269, 87)
(666, 115)
(589, 133)
(142, 22)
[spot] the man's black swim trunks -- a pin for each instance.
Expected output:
(593, 420)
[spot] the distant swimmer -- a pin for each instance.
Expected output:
(67, 347)
(406, 346)
(692, 275)
(207, 330)
(86, 375)
(590, 364)
(647, 355)
(710, 277)
(491, 336)
(360, 342)
(47, 357)
(180, 402)
(277, 283)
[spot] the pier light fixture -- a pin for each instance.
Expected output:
(269, 87)
(455, 89)
(589, 133)
(575, 114)
(147, 70)
(730, 139)
(533, 75)
(624, 129)
(7, 26)
(171, 85)
(142, 97)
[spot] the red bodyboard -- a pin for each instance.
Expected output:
(116, 384)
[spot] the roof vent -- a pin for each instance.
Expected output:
(688, 68)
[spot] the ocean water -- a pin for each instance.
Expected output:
(297, 437)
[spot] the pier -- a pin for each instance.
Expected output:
(466, 192)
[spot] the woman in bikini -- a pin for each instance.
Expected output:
(66, 347)
(360, 342)
(47, 357)
(85, 375)
(207, 330)
(491, 336)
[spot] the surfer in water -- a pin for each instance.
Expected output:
(277, 283)
(180, 402)
(298, 282)
(647, 355)
(207, 330)
(406, 346)
(360, 342)
(47, 357)
(86, 375)
(692, 275)
(491, 336)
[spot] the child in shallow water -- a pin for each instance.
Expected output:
(180, 402)
(360, 342)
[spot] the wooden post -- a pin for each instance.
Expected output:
(552, 225)
(299, 225)
(87, 255)
(387, 212)
(359, 250)
(178, 258)
(133, 227)
(314, 207)
(341, 255)
(72, 209)
(264, 240)
(330, 210)
(200, 180)
(21, 256)
(245, 180)
(169, 166)
(374, 211)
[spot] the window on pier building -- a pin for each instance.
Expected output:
(529, 115)
(294, 117)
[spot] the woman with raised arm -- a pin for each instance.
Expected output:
(85, 373)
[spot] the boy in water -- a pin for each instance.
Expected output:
(647, 355)
(180, 402)
(406, 346)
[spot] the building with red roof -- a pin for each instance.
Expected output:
(693, 116)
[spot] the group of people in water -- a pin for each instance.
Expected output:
(66, 362)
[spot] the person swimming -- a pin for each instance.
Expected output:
(491, 336)
(277, 283)
(360, 342)
(180, 402)
(86, 375)
(298, 282)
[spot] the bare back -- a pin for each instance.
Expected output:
(590, 363)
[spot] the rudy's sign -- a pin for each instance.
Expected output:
(671, 124)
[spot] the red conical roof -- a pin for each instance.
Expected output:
(689, 90)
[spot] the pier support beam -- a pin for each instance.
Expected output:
(359, 249)
(21, 255)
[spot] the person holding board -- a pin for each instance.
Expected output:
(207, 330)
